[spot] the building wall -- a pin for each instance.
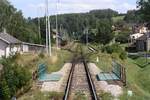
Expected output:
(15, 48)
(36, 49)
(3, 46)
(136, 36)
(7, 51)
(25, 48)
(140, 45)
(148, 44)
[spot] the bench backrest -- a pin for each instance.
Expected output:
(42, 69)
(116, 68)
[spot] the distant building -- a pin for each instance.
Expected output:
(34, 48)
(140, 28)
(11, 45)
(140, 39)
(8, 44)
(135, 36)
(143, 43)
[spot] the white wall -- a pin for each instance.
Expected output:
(136, 35)
(3, 46)
(25, 48)
(15, 48)
(7, 51)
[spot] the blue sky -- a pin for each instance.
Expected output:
(33, 8)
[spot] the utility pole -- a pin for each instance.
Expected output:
(49, 31)
(57, 45)
(87, 32)
(46, 27)
(39, 24)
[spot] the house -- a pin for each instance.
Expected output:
(34, 48)
(140, 28)
(11, 45)
(8, 44)
(135, 36)
(143, 43)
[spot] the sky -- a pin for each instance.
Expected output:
(34, 8)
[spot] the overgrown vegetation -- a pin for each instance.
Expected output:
(115, 48)
(105, 96)
(15, 79)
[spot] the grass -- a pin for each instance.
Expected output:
(80, 96)
(57, 61)
(54, 63)
(138, 79)
(38, 95)
(118, 18)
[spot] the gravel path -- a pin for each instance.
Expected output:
(115, 90)
(58, 86)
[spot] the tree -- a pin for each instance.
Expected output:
(4, 90)
(133, 16)
(104, 31)
(16, 24)
(144, 9)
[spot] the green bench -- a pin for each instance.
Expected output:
(114, 75)
(43, 76)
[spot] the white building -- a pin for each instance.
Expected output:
(34, 48)
(136, 36)
(11, 45)
(8, 45)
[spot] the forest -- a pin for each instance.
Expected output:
(98, 23)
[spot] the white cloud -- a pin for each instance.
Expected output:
(75, 6)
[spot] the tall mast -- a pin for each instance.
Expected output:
(49, 32)
(46, 27)
(39, 25)
(57, 24)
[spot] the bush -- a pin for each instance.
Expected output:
(41, 55)
(14, 77)
(115, 48)
(123, 55)
(122, 37)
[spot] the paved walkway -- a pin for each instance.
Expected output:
(58, 86)
(115, 90)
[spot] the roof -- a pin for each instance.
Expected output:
(144, 37)
(31, 44)
(9, 39)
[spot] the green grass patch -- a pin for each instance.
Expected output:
(118, 18)
(38, 95)
(138, 79)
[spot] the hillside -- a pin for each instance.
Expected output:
(13, 21)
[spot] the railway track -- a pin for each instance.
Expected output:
(80, 80)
